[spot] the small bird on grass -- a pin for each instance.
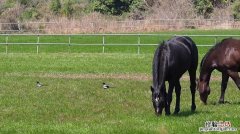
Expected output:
(39, 84)
(105, 86)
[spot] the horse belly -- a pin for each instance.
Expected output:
(179, 62)
(178, 69)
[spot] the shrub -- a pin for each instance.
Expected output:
(203, 7)
(30, 14)
(67, 8)
(114, 7)
(24, 2)
(11, 16)
(55, 6)
(236, 9)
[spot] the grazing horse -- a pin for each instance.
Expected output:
(225, 57)
(171, 60)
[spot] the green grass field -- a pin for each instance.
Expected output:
(73, 101)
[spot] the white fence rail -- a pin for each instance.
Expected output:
(5, 40)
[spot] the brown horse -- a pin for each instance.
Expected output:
(225, 57)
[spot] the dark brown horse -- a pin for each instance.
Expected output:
(225, 57)
(171, 60)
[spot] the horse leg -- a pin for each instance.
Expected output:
(193, 84)
(169, 98)
(225, 78)
(178, 93)
(235, 77)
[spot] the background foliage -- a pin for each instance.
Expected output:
(133, 9)
(115, 7)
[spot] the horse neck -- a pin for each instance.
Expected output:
(160, 69)
(208, 64)
(205, 73)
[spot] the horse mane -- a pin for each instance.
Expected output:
(210, 51)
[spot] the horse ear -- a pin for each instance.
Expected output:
(163, 42)
(152, 89)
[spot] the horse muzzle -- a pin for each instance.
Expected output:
(203, 98)
(158, 111)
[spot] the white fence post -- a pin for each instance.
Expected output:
(69, 43)
(38, 39)
(139, 42)
(103, 44)
(7, 44)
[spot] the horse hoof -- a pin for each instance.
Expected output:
(193, 108)
(176, 111)
(167, 114)
(221, 102)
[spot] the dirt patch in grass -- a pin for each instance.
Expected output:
(141, 77)
(138, 77)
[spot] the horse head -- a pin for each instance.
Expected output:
(204, 90)
(158, 100)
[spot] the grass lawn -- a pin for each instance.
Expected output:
(72, 99)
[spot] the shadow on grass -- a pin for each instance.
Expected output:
(217, 103)
(185, 113)
(236, 103)
(189, 113)
(225, 103)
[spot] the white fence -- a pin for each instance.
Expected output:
(4, 40)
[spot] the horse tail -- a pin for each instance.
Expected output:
(194, 53)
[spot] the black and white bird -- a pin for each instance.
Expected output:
(105, 86)
(39, 84)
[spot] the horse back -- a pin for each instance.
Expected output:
(183, 55)
(185, 48)
(227, 54)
